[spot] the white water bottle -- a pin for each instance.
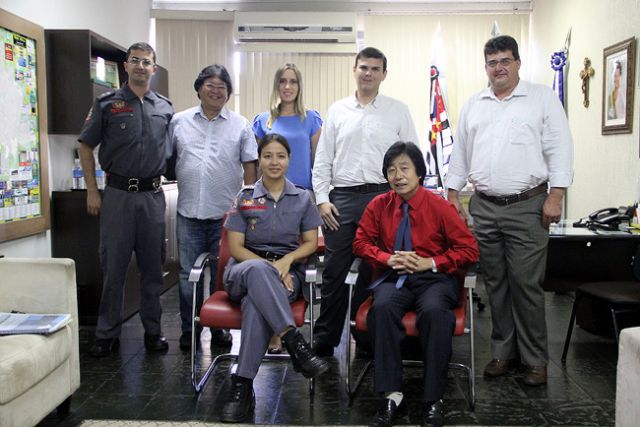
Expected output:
(78, 176)
(100, 178)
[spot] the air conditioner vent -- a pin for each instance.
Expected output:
(295, 28)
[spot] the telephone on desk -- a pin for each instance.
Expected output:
(607, 219)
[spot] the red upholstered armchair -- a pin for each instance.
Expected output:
(219, 312)
(463, 313)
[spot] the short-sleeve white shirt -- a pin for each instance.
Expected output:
(210, 154)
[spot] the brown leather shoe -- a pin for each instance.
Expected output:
(498, 367)
(535, 375)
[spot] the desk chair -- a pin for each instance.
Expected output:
(464, 308)
(619, 297)
(219, 312)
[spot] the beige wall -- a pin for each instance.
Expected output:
(121, 21)
(407, 43)
(607, 167)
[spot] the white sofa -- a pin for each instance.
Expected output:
(38, 373)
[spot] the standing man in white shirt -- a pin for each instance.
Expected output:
(215, 152)
(513, 142)
(357, 132)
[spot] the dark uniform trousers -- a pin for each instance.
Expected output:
(513, 256)
(432, 296)
(337, 259)
(265, 305)
(131, 222)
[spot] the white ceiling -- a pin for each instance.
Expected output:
(371, 6)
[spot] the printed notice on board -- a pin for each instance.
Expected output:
(19, 133)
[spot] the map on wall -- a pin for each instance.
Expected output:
(20, 180)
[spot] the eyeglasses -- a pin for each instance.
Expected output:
(214, 87)
(137, 61)
(505, 62)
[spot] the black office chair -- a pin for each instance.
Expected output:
(619, 297)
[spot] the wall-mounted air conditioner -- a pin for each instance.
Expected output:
(279, 27)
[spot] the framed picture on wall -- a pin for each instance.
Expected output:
(617, 87)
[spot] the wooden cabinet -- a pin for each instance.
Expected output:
(70, 90)
(75, 234)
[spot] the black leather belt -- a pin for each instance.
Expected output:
(514, 198)
(133, 185)
(365, 188)
(268, 255)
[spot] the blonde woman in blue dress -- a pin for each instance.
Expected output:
(287, 116)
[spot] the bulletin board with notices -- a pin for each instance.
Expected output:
(24, 195)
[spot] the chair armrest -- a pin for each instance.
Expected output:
(352, 276)
(350, 280)
(311, 269)
(471, 276)
(38, 285)
(199, 265)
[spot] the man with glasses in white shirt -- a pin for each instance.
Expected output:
(130, 124)
(215, 152)
(514, 145)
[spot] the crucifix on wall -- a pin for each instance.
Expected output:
(585, 74)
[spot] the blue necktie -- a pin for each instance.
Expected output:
(403, 239)
(402, 243)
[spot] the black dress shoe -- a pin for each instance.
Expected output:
(433, 414)
(103, 348)
(388, 412)
(303, 358)
(240, 400)
(156, 343)
(185, 341)
(322, 350)
(221, 338)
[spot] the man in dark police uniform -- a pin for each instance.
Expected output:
(130, 125)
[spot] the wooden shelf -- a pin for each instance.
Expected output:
(70, 91)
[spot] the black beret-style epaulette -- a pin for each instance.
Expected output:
(163, 97)
(106, 95)
(247, 189)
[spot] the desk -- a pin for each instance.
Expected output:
(75, 234)
(578, 255)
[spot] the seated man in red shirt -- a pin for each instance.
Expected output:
(416, 240)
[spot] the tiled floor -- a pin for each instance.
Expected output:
(137, 385)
